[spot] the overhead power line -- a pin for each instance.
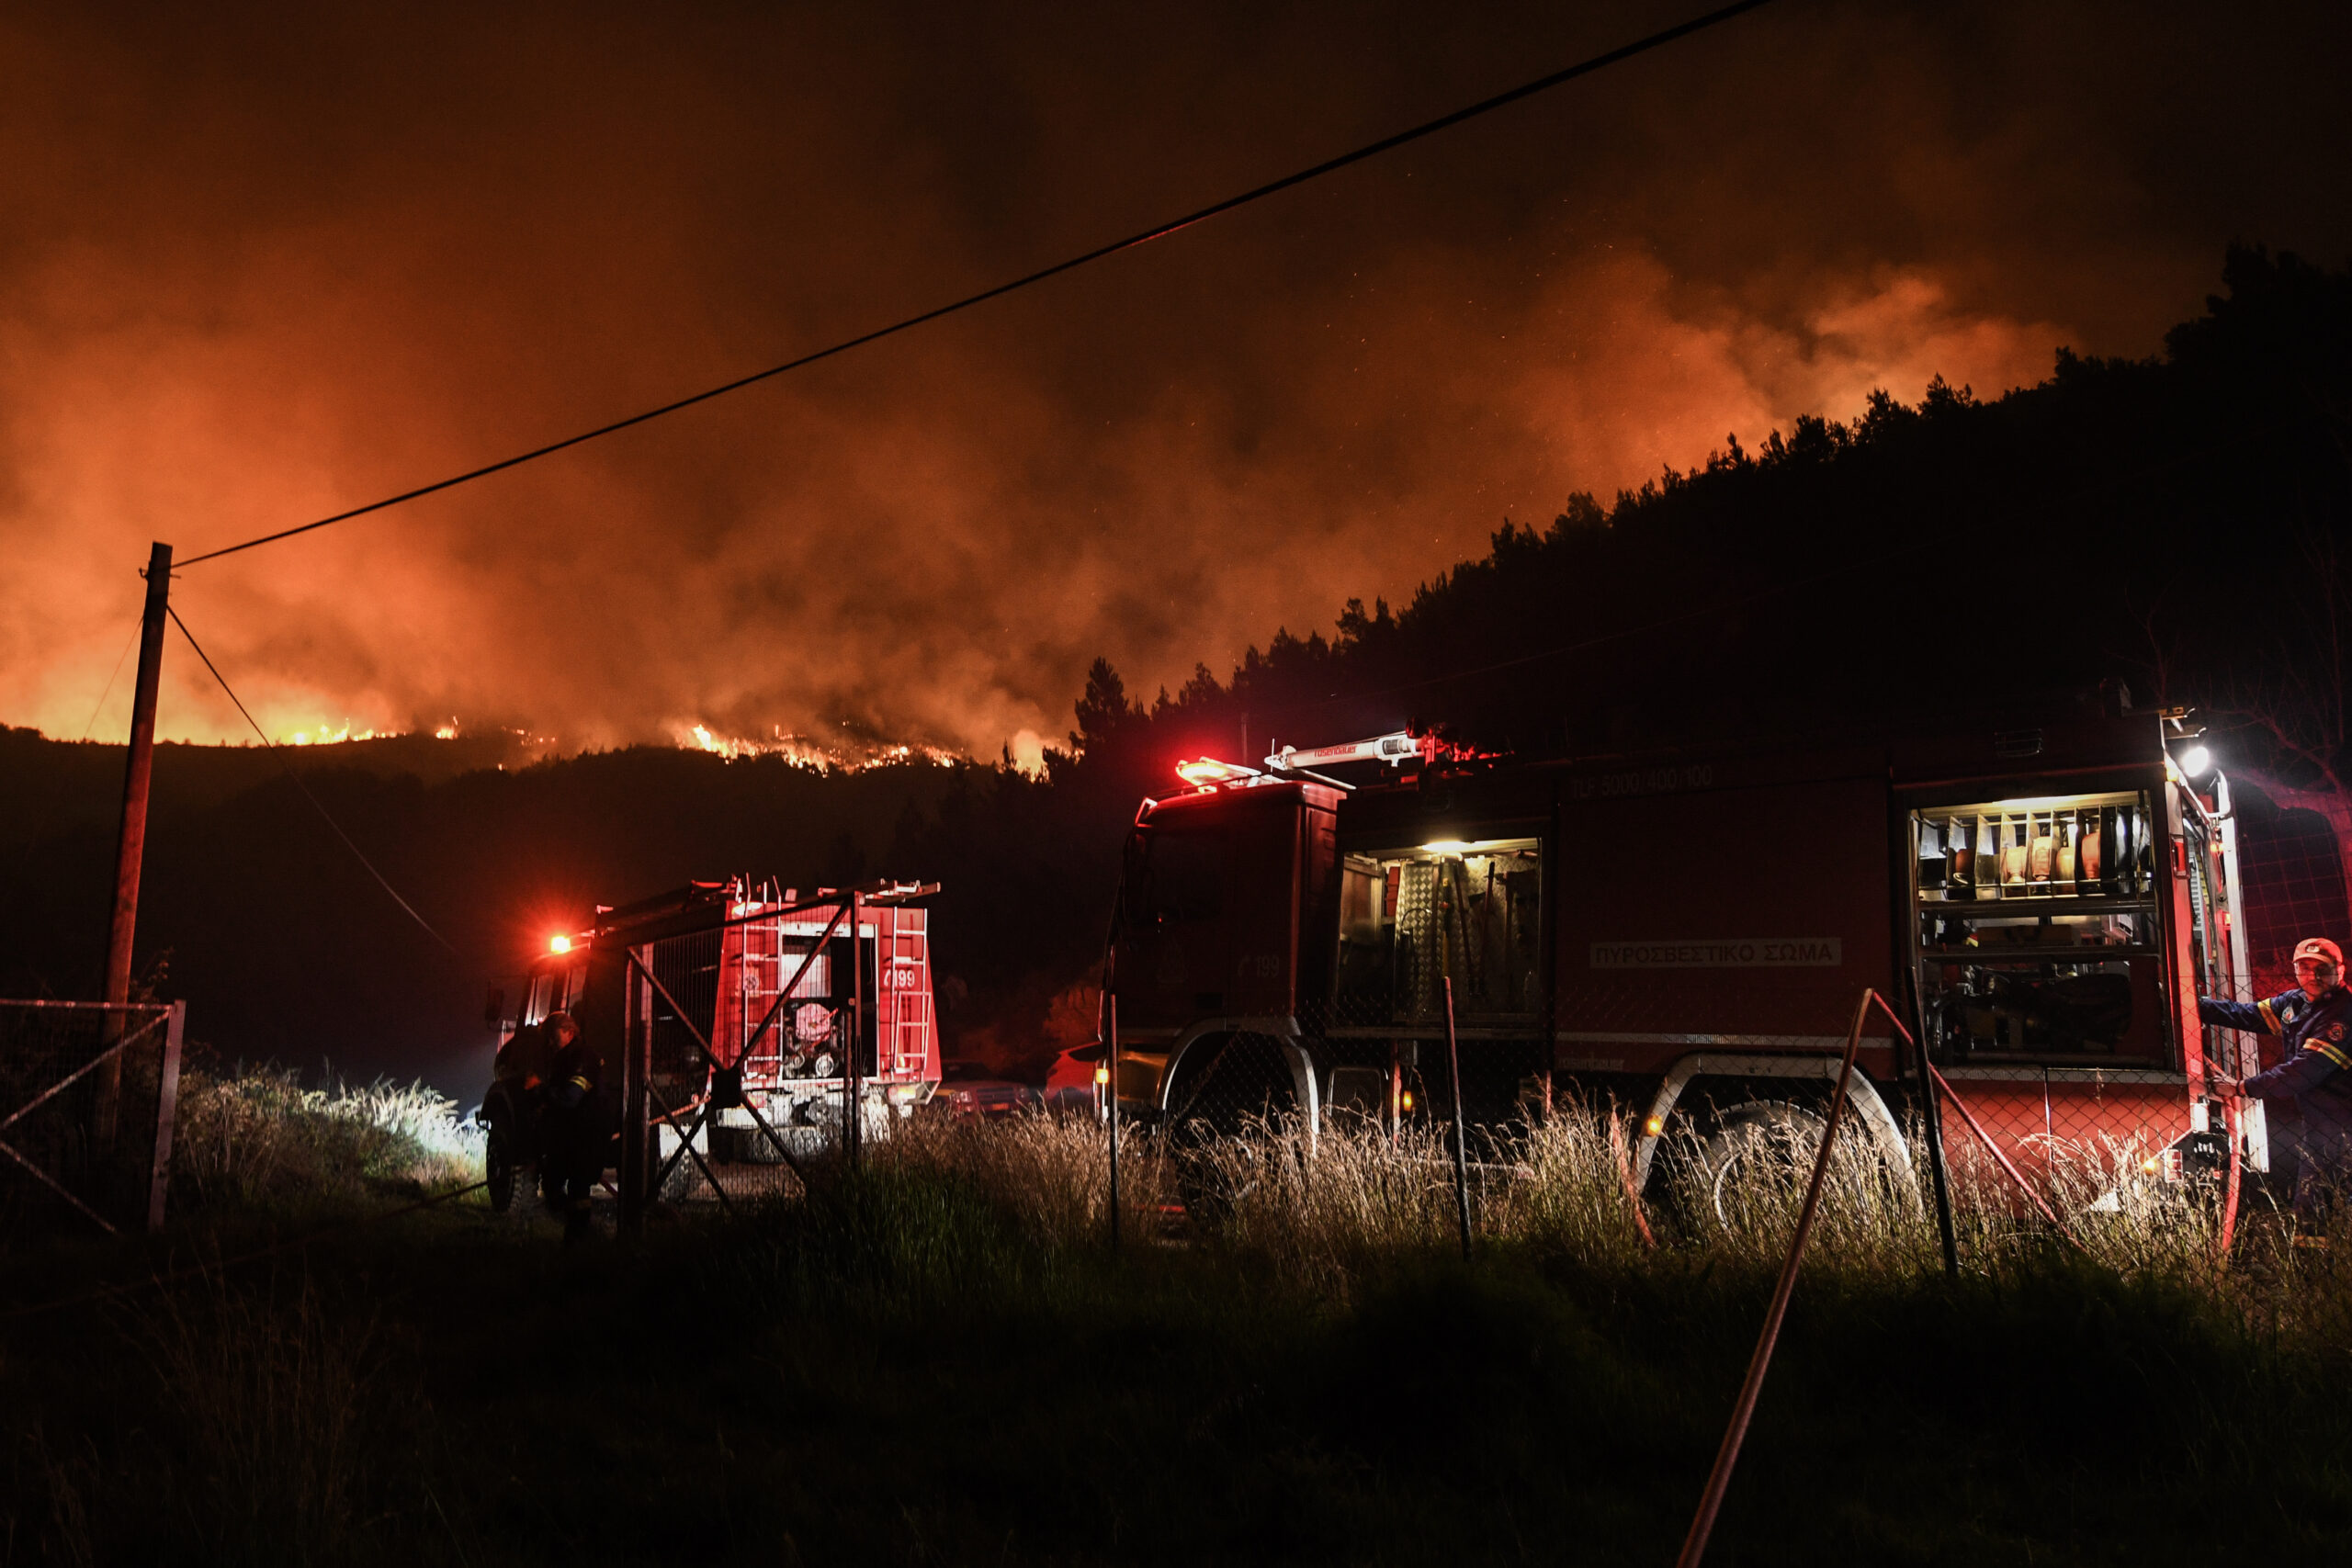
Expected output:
(107, 690)
(275, 750)
(1157, 231)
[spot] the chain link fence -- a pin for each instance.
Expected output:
(87, 1095)
(2069, 1068)
(1224, 1082)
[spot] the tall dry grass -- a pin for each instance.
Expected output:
(255, 1138)
(1051, 1173)
(274, 1399)
(955, 1288)
(1330, 1212)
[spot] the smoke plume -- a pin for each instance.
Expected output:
(259, 265)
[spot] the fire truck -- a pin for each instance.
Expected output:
(737, 1025)
(2042, 894)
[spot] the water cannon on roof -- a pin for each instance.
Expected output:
(1392, 750)
(1395, 750)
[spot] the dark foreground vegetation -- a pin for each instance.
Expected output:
(939, 1361)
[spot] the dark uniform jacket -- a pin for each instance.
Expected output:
(523, 1058)
(577, 1073)
(2317, 1070)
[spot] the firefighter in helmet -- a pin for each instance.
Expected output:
(524, 1060)
(2313, 1023)
(572, 1133)
(527, 1062)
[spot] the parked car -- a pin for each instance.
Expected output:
(1069, 1082)
(970, 1091)
(1069, 1089)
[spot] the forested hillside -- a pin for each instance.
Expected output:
(2180, 522)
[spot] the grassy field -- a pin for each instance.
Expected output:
(939, 1361)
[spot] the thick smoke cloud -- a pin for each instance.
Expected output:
(255, 269)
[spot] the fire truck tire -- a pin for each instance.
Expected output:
(1215, 1177)
(1221, 1084)
(1764, 1150)
(680, 1183)
(498, 1167)
(1757, 1151)
(1207, 1192)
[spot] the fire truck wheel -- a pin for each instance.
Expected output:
(1759, 1158)
(1213, 1178)
(1224, 1085)
(498, 1167)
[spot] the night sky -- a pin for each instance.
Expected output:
(257, 265)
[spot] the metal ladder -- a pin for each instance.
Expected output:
(906, 966)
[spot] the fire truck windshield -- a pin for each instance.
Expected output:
(1183, 877)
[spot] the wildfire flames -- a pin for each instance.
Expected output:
(1235, 432)
(804, 752)
(801, 750)
(323, 736)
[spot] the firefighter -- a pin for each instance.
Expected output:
(573, 1130)
(526, 1064)
(2313, 1023)
(523, 1060)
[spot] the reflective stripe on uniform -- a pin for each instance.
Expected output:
(2330, 1052)
(2270, 1018)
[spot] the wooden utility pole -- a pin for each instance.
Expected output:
(131, 842)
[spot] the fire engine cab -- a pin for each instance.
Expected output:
(2043, 895)
(736, 1024)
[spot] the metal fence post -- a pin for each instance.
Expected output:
(1939, 1174)
(1111, 1102)
(637, 1074)
(1461, 1146)
(167, 1098)
(854, 1078)
(1395, 1097)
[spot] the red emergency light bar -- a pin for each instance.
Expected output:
(1207, 773)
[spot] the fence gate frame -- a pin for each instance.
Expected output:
(641, 1174)
(117, 1021)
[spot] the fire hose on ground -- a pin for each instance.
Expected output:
(1710, 1499)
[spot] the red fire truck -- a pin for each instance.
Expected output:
(736, 1024)
(2042, 895)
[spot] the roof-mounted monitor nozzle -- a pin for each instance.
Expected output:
(1394, 750)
